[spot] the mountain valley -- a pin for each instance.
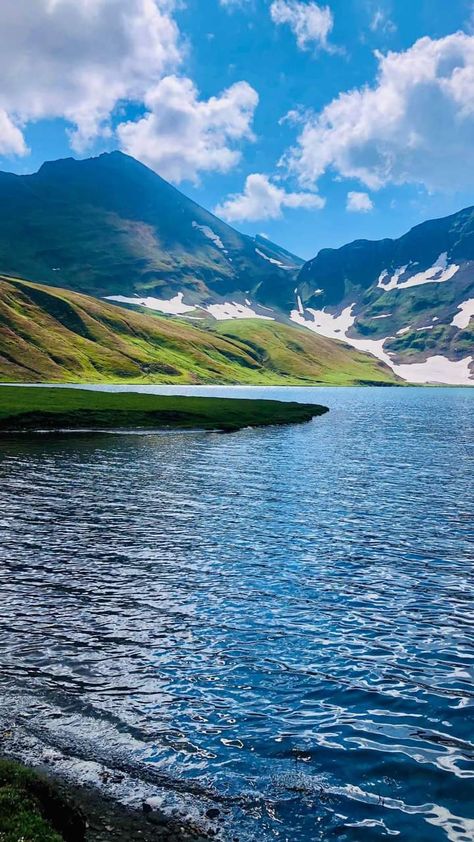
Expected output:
(111, 229)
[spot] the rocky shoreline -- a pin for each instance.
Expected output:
(37, 806)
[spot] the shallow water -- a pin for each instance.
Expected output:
(277, 619)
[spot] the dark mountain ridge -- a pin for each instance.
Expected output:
(109, 225)
(360, 263)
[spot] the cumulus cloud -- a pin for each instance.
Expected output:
(80, 60)
(414, 125)
(359, 202)
(182, 135)
(310, 23)
(260, 199)
(77, 59)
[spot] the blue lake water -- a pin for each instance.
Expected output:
(279, 621)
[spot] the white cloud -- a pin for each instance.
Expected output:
(359, 202)
(181, 135)
(77, 59)
(381, 22)
(81, 60)
(261, 199)
(12, 141)
(310, 23)
(415, 125)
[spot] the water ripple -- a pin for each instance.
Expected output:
(278, 619)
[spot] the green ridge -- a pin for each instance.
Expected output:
(53, 335)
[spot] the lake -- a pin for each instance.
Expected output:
(277, 622)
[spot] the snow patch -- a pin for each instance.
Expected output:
(382, 316)
(437, 369)
(336, 327)
(403, 330)
(176, 307)
(392, 281)
(466, 313)
(233, 310)
(326, 324)
(173, 306)
(272, 260)
(436, 274)
(211, 235)
(374, 347)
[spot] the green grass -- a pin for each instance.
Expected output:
(30, 809)
(42, 808)
(52, 409)
(21, 820)
(293, 351)
(57, 336)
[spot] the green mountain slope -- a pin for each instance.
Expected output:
(54, 335)
(285, 349)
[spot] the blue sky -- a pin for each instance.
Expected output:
(346, 123)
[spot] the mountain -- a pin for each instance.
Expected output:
(409, 301)
(109, 226)
(49, 334)
(112, 228)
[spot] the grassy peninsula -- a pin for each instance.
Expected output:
(23, 408)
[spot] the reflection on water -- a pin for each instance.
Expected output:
(281, 617)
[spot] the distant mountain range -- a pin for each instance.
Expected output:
(111, 228)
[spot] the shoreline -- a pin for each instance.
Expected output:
(34, 800)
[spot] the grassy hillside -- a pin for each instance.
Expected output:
(304, 355)
(54, 335)
(52, 409)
